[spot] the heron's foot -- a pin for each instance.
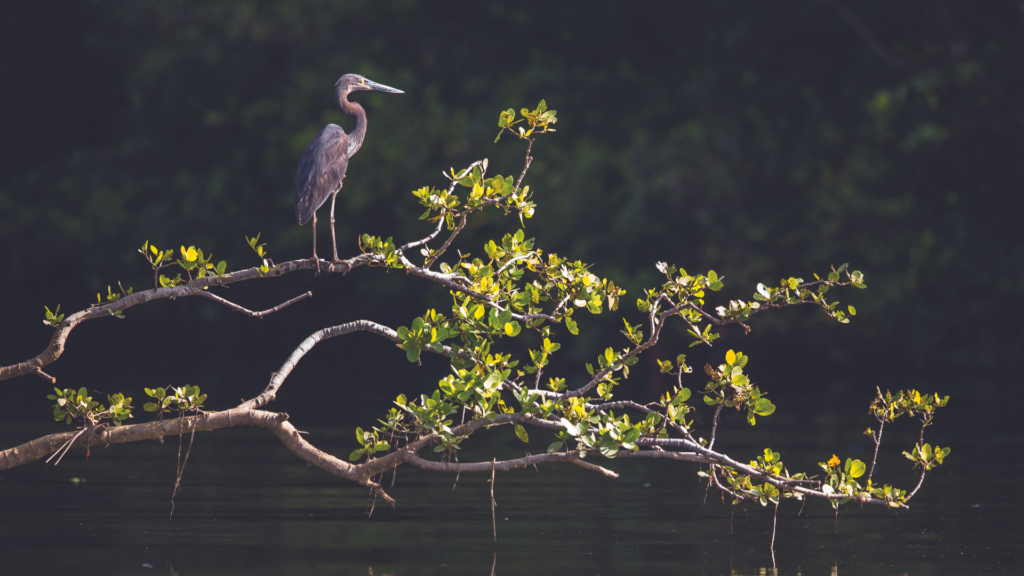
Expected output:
(316, 260)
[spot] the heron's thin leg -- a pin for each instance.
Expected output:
(315, 257)
(333, 241)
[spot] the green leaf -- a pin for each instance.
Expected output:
(512, 329)
(764, 407)
(554, 447)
(521, 433)
(570, 324)
(609, 448)
(355, 455)
(631, 435)
(413, 354)
(857, 469)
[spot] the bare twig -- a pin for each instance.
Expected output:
(422, 241)
(448, 242)
(181, 465)
(877, 437)
(250, 313)
(714, 426)
(494, 520)
(775, 517)
(526, 165)
(919, 482)
(66, 447)
(44, 376)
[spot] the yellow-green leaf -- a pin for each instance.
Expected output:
(730, 357)
(857, 469)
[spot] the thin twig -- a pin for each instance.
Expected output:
(422, 241)
(66, 447)
(250, 313)
(919, 482)
(181, 465)
(447, 243)
(526, 166)
(44, 376)
(714, 426)
(878, 442)
(775, 516)
(494, 520)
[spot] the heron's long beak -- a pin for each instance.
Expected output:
(371, 85)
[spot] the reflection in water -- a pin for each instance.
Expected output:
(247, 505)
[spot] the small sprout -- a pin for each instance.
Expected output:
(53, 318)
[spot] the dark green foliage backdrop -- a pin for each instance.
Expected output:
(759, 139)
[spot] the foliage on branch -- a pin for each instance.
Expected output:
(78, 405)
(513, 306)
(181, 399)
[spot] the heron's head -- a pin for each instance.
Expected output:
(352, 82)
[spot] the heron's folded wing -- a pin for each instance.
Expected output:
(320, 171)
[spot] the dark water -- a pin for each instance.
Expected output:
(247, 506)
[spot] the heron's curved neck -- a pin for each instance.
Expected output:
(355, 138)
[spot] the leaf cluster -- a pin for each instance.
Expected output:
(370, 443)
(77, 404)
(730, 387)
(191, 260)
(539, 119)
(927, 457)
(266, 264)
(174, 399)
(53, 318)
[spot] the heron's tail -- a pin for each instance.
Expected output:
(304, 210)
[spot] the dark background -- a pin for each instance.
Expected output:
(761, 140)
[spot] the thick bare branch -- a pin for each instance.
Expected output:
(278, 378)
(505, 465)
(194, 288)
(206, 422)
(682, 456)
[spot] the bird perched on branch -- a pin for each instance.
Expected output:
(323, 164)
